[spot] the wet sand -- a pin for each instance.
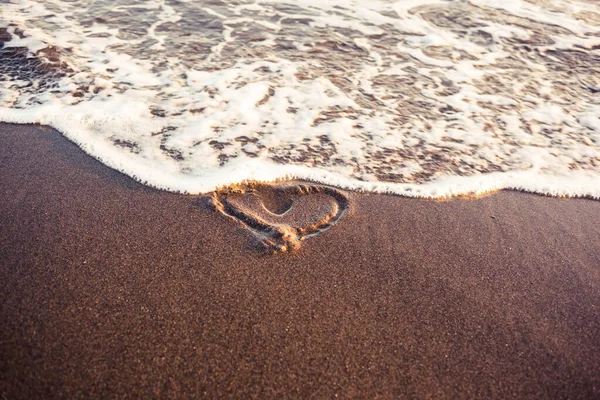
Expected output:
(111, 289)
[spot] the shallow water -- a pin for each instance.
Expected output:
(417, 97)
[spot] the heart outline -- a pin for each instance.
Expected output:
(279, 237)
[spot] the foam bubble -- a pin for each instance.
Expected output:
(423, 98)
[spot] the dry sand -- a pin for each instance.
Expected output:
(111, 289)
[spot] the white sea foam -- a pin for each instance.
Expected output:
(425, 98)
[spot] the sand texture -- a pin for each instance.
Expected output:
(112, 289)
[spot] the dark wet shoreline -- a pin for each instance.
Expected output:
(111, 289)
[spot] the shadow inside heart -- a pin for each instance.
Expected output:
(281, 216)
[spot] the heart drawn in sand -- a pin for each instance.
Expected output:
(281, 216)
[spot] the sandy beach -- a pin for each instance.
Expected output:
(111, 289)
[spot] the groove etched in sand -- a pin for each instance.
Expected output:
(281, 216)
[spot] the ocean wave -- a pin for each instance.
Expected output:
(423, 98)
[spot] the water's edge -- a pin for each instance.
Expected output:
(441, 189)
